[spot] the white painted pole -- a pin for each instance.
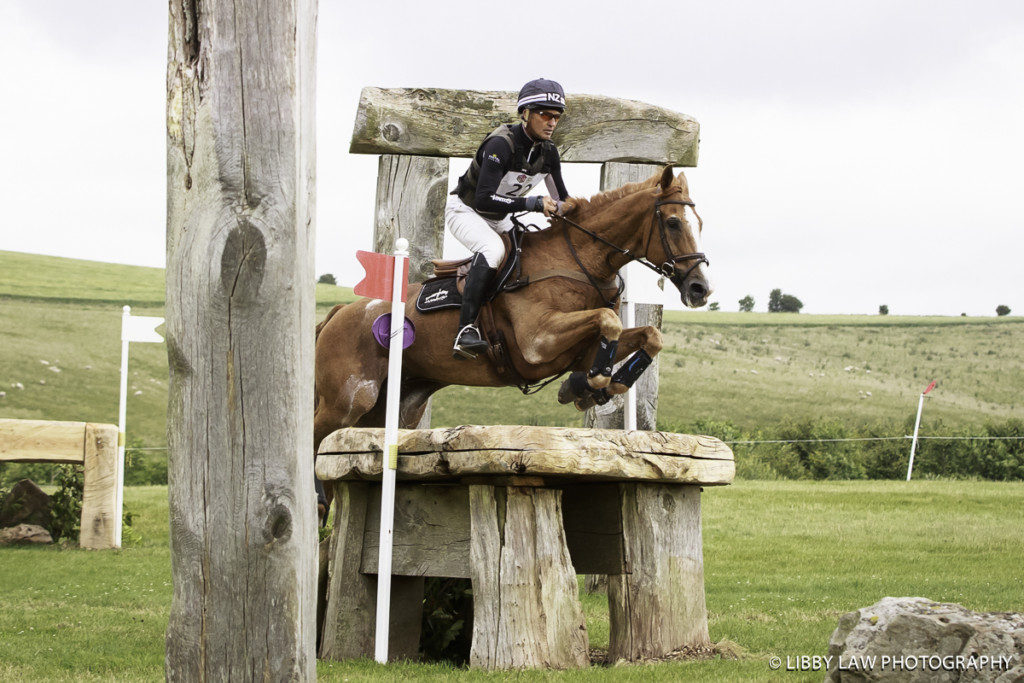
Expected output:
(628, 320)
(390, 455)
(913, 444)
(122, 409)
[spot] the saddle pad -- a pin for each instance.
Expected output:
(437, 295)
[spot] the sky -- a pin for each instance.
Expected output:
(853, 154)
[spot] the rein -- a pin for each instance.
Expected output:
(667, 268)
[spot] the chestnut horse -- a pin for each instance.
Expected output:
(565, 319)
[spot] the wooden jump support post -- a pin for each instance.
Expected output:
(416, 130)
(520, 511)
(240, 322)
(94, 446)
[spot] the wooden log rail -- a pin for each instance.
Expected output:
(94, 446)
(521, 511)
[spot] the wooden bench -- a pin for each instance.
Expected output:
(94, 446)
(521, 511)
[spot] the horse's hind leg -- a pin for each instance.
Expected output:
(414, 395)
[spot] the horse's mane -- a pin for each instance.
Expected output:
(602, 199)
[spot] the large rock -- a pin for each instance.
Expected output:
(915, 639)
(25, 504)
(24, 533)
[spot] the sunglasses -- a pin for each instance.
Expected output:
(549, 115)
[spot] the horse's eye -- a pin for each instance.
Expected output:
(675, 223)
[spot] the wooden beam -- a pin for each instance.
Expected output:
(99, 488)
(240, 320)
(452, 123)
(42, 441)
(526, 609)
(657, 605)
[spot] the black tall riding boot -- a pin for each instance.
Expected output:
(468, 342)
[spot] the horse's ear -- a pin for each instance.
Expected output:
(666, 178)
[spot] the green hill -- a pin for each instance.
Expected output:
(59, 327)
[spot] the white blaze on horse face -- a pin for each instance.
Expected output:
(694, 223)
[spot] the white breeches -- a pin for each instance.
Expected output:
(478, 234)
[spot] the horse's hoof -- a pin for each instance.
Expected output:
(585, 403)
(565, 393)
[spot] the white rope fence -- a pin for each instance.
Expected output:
(872, 438)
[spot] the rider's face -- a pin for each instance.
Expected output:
(540, 123)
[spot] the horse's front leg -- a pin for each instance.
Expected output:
(639, 345)
(546, 336)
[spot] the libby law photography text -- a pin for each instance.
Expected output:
(892, 663)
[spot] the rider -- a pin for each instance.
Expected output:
(510, 162)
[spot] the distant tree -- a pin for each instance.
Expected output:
(963, 315)
(883, 310)
(1002, 310)
(713, 306)
(747, 304)
(790, 304)
(327, 279)
(783, 303)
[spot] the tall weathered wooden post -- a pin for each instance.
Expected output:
(240, 321)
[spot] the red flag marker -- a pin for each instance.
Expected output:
(380, 276)
(930, 387)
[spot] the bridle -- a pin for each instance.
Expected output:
(667, 268)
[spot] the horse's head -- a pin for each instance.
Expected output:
(672, 243)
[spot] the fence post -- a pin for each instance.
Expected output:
(240, 321)
(411, 192)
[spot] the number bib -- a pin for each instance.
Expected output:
(518, 184)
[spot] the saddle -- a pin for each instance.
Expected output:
(444, 291)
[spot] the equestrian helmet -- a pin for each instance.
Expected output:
(541, 93)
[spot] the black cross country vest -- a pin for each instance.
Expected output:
(466, 189)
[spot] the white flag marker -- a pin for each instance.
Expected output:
(389, 454)
(134, 328)
(917, 425)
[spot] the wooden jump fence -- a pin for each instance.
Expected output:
(94, 446)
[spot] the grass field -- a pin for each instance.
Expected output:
(783, 560)
(753, 369)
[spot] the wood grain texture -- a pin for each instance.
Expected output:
(240, 320)
(411, 193)
(42, 441)
(348, 628)
(657, 605)
(99, 488)
(503, 450)
(610, 415)
(431, 532)
(451, 123)
(526, 606)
